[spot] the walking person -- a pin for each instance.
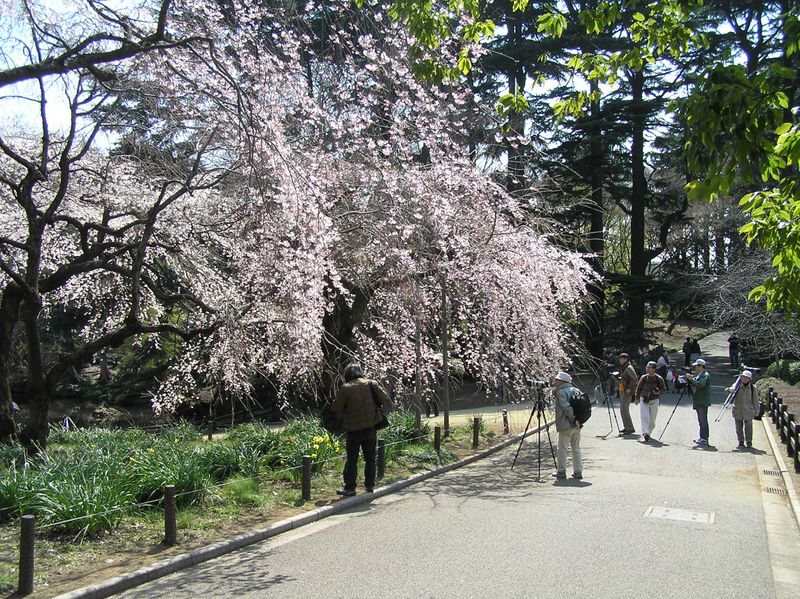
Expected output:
(701, 381)
(627, 386)
(356, 404)
(733, 350)
(569, 429)
(687, 351)
(648, 391)
(745, 408)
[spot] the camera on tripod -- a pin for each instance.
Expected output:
(537, 384)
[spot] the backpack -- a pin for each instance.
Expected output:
(581, 405)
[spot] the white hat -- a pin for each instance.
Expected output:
(563, 376)
(699, 362)
(747, 373)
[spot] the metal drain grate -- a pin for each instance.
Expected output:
(775, 491)
(771, 472)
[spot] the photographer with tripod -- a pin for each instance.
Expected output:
(648, 391)
(569, 429)
(745, 408)
(701, 401)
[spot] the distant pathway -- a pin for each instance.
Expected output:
(665, 520)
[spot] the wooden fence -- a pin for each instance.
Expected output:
(785, 425)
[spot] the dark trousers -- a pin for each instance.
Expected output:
(364, 441)
(702, 420)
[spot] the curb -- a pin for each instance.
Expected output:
(784, 470)
(163, 568)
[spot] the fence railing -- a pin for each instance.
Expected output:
(785, 425)
(28, 526)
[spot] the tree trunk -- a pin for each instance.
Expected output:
(9, 315)
(34, 436)
(595, 331)
(636, 298)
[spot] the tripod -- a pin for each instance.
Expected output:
(688, 388)
(610, 409)
(538, 410)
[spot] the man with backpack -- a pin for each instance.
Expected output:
(568, 427)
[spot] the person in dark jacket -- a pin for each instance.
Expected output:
(356, 403)
(701, 400)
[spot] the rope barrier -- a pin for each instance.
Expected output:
(258, 477)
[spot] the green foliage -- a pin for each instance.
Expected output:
(243, 490)
(786, 370)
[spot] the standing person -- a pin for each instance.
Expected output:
(662, 364)
(687, 351)
(696, 353)
(701, 401)
(628, 381)
(355, 402)
(733, 350)
(644, 358)
(649, 390)
(569, 429)
(745, 408)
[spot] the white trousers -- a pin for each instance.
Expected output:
(649, 412)
(571, 437)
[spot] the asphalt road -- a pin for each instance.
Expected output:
(658, 520)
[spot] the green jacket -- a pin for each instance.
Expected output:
(702, 390)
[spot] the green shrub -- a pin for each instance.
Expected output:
(403, 427)
(84, 502)
(155, 467)
(784, 369)
(16, 491)
(224, 459)
(243, 491)
(306, 437)
(182, 432)
(256, 436)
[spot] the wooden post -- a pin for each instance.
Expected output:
(210, 428)
(437, 438)
(381, 459)
(306, 485)
(476, 427)
(26, 555)
(506, 429)
(797, 448)
(417, 380)
(170, 516)
(791, 448)
(782, 422)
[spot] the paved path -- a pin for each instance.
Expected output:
(661, 520)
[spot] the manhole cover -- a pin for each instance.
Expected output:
(674, 513)
(775, 491)
(771, 472)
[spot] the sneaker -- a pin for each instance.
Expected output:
(578, 475)
(560, 474)
(749, 444)
(346, 492)
(369, 489)
(740, 446)
(646, 438)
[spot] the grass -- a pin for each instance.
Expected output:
(225, 487)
